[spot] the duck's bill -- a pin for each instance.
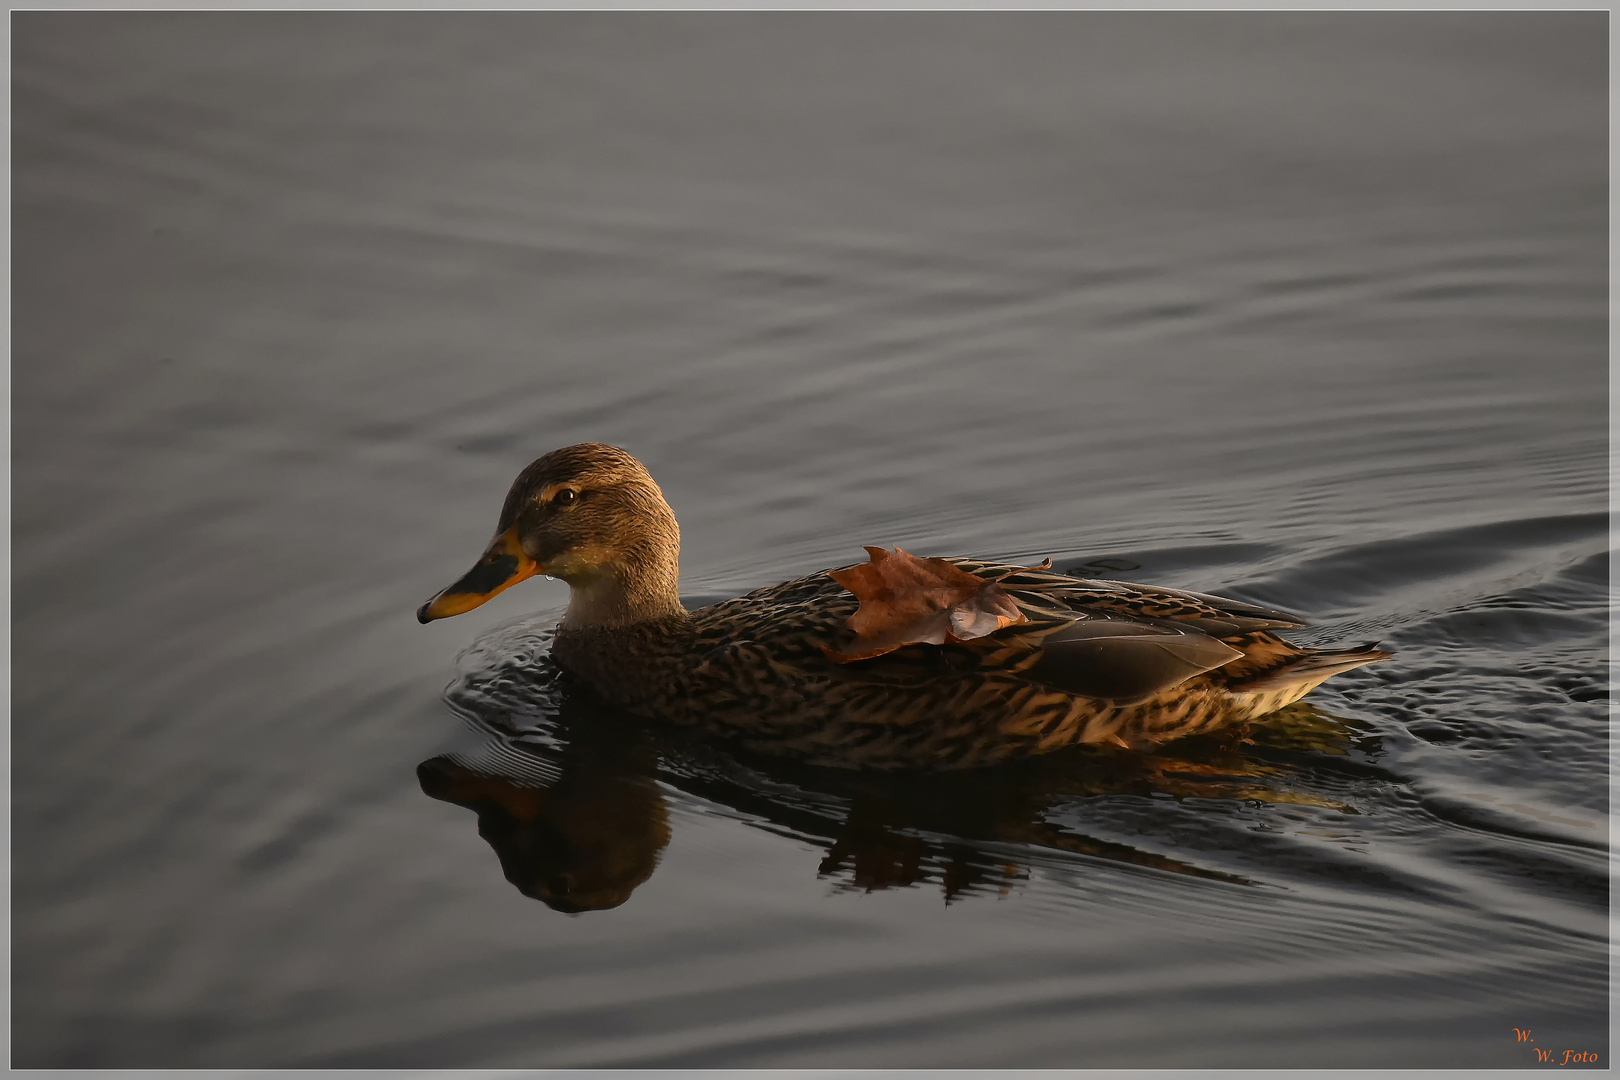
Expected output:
(502, 566)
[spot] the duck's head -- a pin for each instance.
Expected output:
(593, 516)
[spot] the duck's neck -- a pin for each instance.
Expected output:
(645, 590)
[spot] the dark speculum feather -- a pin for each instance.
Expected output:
(1123, 661)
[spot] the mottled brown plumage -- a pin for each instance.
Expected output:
(1099, 662)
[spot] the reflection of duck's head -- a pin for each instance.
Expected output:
(582, 845)
(593, 516)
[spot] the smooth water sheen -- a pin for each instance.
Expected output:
(1308, 309)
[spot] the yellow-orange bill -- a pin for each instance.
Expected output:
(502, 566)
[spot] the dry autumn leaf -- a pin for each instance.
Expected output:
(907, 601)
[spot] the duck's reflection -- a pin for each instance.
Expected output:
(582, 846)
(570, 796)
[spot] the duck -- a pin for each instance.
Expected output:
(1068, 662)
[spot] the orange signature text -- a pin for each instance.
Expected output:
(1551, 1057)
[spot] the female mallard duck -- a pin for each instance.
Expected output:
(1073, 661)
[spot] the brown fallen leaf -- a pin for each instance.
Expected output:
(907, 601)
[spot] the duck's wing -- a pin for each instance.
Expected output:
(1120, 641)
(1217, 616)
(1104, 639)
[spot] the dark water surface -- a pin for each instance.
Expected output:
(1306, 309)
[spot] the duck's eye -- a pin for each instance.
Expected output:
(565, 497)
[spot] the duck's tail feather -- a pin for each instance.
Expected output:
(1314, 667)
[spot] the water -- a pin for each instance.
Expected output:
(1305, 309)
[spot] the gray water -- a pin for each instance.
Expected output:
(1309, 310)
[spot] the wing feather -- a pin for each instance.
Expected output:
(1121, 660)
